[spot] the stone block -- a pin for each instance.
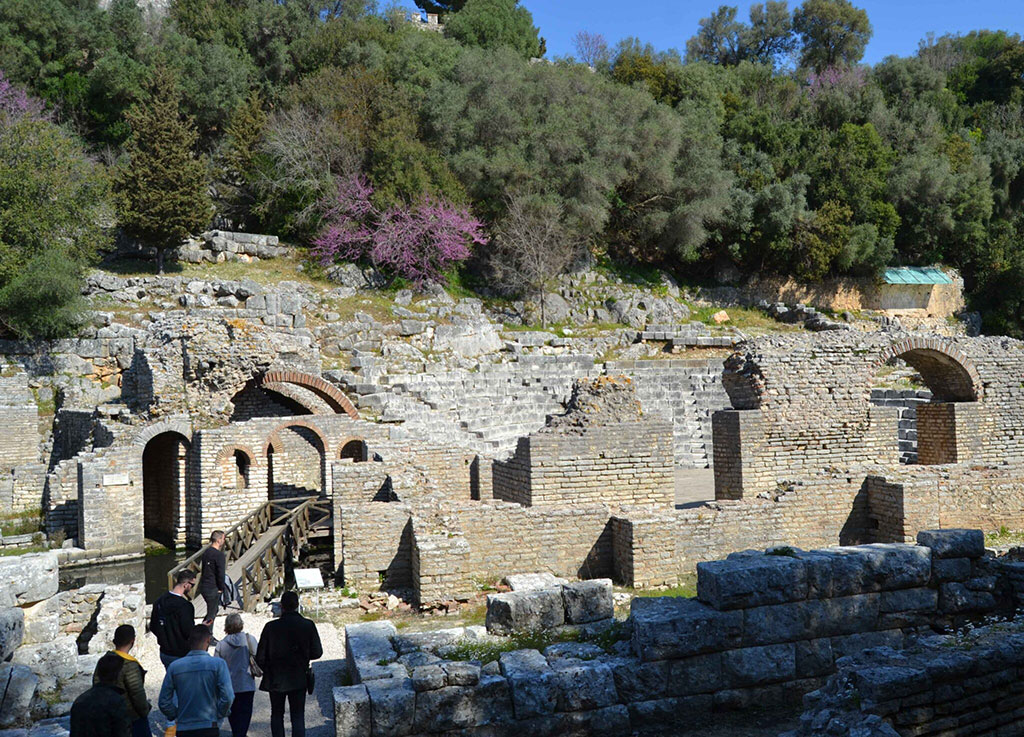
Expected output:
(750, 582)
(572, 651)
(852, 644)
(908, 600)
(20, 685)
(534, 692)
(392, 706)
(654, 714)
(26, 579)
(814, 658)
(674, 627)
(879, 567)
(428, 678)
(951, 569)
(452, 707)
(525, 611)
(12, 630)
(767, 625)
(588, 601)
(696, 675)
(584, 686)
(954, 543)
(639, 681)
(352, 713)
(753, 666)
(842, 616)
(462, 674)
(884, 683)
(53, 662)
(956, 598)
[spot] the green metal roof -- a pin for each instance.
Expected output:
(915, 275)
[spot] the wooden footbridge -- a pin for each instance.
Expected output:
(260, 548)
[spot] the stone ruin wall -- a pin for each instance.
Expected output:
(766, 627)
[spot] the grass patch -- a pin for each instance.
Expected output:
(743, 318)
(488, 652)
(1004, 538)
(26, 522)
(686, 588)
(23, 551)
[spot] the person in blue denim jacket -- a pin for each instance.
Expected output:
(196, 692)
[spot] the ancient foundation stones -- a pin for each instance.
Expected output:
(534, 610)
(26, 579)
(20, 687)
(12, 631)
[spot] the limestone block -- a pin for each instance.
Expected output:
(415, 660)
(674, 627)
(955, 543)
(392, 706)
(639, 681)
(534, 581)
(352, 713)
(751, 581)
(28, 578)
(842, 616)
(814, 658)
(584, 686)
(12, 630)
(462, 674)
(572, 651)
(879, 567)
(52, 662)
(428, 640)
(366, 645)
(696, 675)
(528, 611)
(534, 692)
(850, 644)
(42, 621)
(951, 569)
(459, 707)
(20, 685)
(754, 666)
(588, 601)
(428, 678)
(884, 683)
(767, 625)
(656, 713)
(908, 600)
(956, 598)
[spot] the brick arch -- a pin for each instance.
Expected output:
(180, 426)
(328, 392)
(297, 422)
(949, 373)
(228, 451)
(365, 448)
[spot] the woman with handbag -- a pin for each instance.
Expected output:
(238, 649)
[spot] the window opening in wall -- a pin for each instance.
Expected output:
(242, 464)
(163, 488)
(354, 449)
(899, 386)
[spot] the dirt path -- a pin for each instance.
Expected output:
(319, 706)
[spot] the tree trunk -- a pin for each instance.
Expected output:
(543, 312)
(160, 261)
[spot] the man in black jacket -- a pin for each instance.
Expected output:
(286, 647)
(173, 618)
(101, 711)
(211, 581)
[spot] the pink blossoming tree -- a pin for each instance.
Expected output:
(16, 104)
(417, 242)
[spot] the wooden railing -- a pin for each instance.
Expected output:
(262, 576)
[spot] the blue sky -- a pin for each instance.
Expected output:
(898, 24)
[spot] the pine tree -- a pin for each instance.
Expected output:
(163, 189)
(238, 158)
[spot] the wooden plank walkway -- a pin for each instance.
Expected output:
(235, 568)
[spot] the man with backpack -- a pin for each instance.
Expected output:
(173, 619)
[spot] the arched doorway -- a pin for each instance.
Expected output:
(354, 450)
(296, 463)
(934, 390)
(163, 487)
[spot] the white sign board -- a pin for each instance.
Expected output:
(308, 578)
(115, 479)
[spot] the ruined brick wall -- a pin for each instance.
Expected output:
(373, 545)
(625, 463)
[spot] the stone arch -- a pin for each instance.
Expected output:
(164, 480)
(297, 454)
(949, 373)
(326, 391)
(177, 425)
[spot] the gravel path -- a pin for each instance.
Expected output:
(319, 707)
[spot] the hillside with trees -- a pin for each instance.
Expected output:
(765, 146)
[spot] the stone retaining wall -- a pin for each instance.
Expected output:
(766, 627)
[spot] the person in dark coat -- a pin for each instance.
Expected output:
(131, 681)
(211, 580)
(286, 647)
(173, 619)
(101, 711)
